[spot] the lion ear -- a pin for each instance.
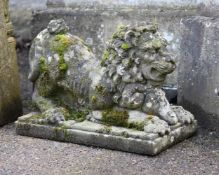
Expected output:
(128, 35)
(131, 38)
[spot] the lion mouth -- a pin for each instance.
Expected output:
(157, 75)
(164, 67)
(157, 72)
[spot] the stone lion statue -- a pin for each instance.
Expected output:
(123, 88)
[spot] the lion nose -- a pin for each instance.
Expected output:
(170, 58)
(172, 62)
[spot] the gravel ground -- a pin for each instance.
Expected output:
(21, 155)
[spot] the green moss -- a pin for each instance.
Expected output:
(130, 63)
(44, 84)
(59, 44)
(149, 117)
(105, 130)
(100, 89)
(125, 134)
(65, 112)
(155, 44)
(63, 126)
(42, 62)
(115, 117)
(110, 53)
(89, 49)
(62, 65)
(93, 99)
(29, 105)
(125, 46)
(105, 54)
(114, 53)
(136, 125)
(57, 132)
(120, 32)
(78, 116)
(104, 57)
(120, 118)
(66, 134)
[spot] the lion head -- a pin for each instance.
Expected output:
(138, 55)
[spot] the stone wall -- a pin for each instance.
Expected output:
(198, 76)
(10, 103)
(21, 15)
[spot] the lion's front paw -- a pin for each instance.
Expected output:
(168, 115)
(157, 126)
(54, 116)
(184, 117)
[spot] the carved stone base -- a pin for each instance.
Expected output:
(116, 138)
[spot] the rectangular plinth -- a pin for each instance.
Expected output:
(151, 146)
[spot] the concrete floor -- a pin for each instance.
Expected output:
(21, 155)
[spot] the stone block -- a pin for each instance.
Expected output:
(198, 76)
(116, 138)
(10, 103)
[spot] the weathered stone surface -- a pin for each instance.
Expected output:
(10, 104)
(120, 95)
(132, 70)
(198, 69)
(114, 138)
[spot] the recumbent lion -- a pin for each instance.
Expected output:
(70, 81)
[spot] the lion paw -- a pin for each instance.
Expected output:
(54, 116)
(168, 115)
(157, 126)
(184, 117)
